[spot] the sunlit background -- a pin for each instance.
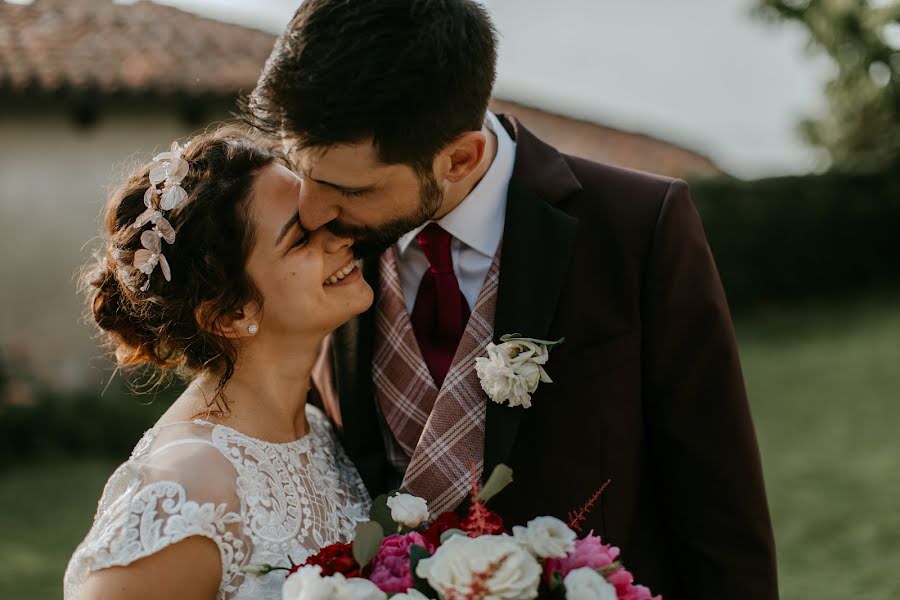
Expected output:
(784, 115)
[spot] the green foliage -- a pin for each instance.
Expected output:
(88, 423)
(496, 483)
(450, 533)
(416, 554)
(367, 542)
(862, 129)
(789, 239)
(381, 514)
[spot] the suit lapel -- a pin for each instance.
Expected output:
(538, 242)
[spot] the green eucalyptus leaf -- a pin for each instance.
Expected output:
(496, 483)
(417, 553)
(381, 514)
(450, 533)
(517, 337)
(367, 542)
(511, 336)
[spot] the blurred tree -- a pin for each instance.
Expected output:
(862, 128)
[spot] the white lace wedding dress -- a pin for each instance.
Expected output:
(260, 502)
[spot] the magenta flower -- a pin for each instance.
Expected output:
(590, 552)
(390, 567)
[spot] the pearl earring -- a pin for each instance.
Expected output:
(253, 329)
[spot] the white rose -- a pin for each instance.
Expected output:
(512, 371)
(521, 351)
(307, 583)
(451, 570)
(588, 584)
(410, 594)
(546, 537)
(496, 376)
(408, 510)
(356, 588)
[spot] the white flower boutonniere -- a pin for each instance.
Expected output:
(512, 371)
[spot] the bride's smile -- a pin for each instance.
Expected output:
(342, 274)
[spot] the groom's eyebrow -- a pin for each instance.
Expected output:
(294, 220)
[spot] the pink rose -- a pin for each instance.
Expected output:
(637, 592)
(625, 588)
(390, 567)
(590, 552)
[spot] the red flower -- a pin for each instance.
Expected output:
(445, 522)
(481, 521)
(336, 558)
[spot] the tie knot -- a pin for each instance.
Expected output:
(435, 242)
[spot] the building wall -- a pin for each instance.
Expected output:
(54, 175)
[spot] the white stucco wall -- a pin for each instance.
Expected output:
(53, 178)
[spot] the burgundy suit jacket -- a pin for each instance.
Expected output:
(647, 389)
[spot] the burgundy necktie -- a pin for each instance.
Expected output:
(441, 312)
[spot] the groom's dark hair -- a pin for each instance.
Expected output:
(410, 74)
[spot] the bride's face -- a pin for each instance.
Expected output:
(308, 281)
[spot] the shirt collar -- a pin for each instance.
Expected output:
(478, 220)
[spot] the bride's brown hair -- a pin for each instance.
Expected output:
(173, 324)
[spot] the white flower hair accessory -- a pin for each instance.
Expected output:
(168, 173)
(512, 371)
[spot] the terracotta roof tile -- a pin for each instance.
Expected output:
(143, 47)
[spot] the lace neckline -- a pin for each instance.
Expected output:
(300, 445)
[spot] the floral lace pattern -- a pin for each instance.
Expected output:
(260, 502)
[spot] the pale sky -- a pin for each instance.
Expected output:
(701, 73)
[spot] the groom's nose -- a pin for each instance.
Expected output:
(316, 208)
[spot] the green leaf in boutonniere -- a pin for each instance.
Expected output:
(517, 337)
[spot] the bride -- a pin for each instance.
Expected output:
(206, 270)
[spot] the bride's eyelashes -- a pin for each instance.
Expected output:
(300, 241)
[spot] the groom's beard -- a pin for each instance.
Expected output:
(369, 242)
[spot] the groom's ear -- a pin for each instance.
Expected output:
(462, 156)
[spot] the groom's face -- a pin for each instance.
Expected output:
(347, 189)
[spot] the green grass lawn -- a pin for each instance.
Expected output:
(44, 512)
(824, 384)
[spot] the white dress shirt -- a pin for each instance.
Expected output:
(476, 226)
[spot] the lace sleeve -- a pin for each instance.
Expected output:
(170, 490)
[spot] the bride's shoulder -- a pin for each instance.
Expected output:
(184, 452)
(175, 485)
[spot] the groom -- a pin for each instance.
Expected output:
(473, 228)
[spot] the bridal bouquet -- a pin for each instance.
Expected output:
(470, 557)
